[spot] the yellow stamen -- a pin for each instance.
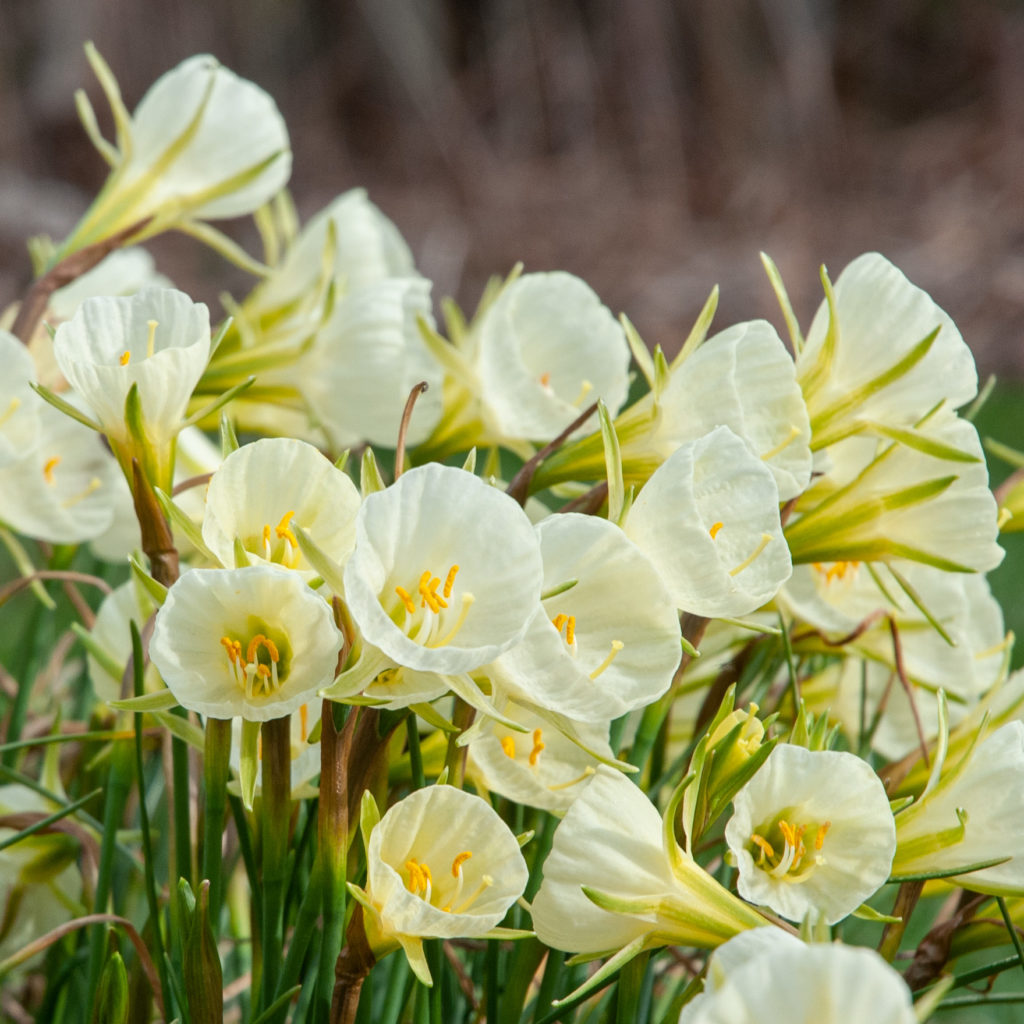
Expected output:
(467, 602)
(125, 357)
(93, 485)
(406, 599)
(794, 433)
(427, 588)
(459, 861)
(233, 648)
(254, 645)
(570, 630)
(284, 530)
(449, 581)
(559, 621)
(266, 538)
(51, 465)
(304, 722)
(747, 562)
(585, 388)
(545, 380)
(715, 527)
(819, 839)
(508, 744)
(763, 843)
(587, 772)
(538, 746)
(12, 408)
(617, 646)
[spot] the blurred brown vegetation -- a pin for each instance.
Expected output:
(651, 146)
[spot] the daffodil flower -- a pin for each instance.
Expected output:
(253, 643)
(708, 518)
(539, 766)
(609, 642)
(811, 833)
(616, 876)
(263, 491)
(970, 814)
(156, 341)
(770, 975)
(440, 864)
(203, 144)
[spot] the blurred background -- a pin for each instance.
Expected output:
(652, 147)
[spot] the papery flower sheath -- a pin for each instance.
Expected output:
(812, 833)
(440, 864)
(253, 643)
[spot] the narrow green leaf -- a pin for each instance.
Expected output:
(782, 297)
(162, 700)
(699, 331)
(65, 407)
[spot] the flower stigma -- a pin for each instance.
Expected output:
(750, 559)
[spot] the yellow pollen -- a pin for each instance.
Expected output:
(715, 527)
(837, 570)
(459, 861)
(764, 845)
(406, 599)
(545, 380)
(449, 581)
(559, 621)
(254, 645)
(617, 646)
(747, 562)
(51, 465)
(266, 535)
(125, 357)
(570, 630)
(427, 588)
(508, 744)
(151, 340)
(304, 722)
(538, 746)
(284, 530)
(233, 648)
(819, 839)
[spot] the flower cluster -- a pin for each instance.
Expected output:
(607, 675)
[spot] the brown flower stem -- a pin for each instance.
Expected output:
(351, 970)
(906, 899)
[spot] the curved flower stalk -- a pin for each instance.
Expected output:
(40, 881)
(539, 766)
(154, 346)
(968, 815)
(440, 864)
(617, 880)
(445, 576)
(743, 378)
(965, 659)
(56, 479)
(253, 643)
(880, 353)
(608, 643)
(760, 976)
(812, 834)
(263, 491)
(882, 500)
(535, 355)
(203, 144)
(708, 518)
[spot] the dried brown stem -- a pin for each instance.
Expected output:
(403, 428)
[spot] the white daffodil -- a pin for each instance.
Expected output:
(616, 875)
(539, 767)
(158, 341)
(19, 405)
(708, 518)
(540, 349)
(972, 814)
(769, 975)
(366, 359)
(440, 864)
(812, 833)
(446, 571)
(266, 489)
(743, 378)
(885, 499)
(253, 643)
(203, 144)
(604, 646)
(841, 599)
(881, 352)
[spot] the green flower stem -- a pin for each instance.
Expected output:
(217, 755)
(906, 900)
(23, 671)
(275, 814)
(119, 784)
(455, 759)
